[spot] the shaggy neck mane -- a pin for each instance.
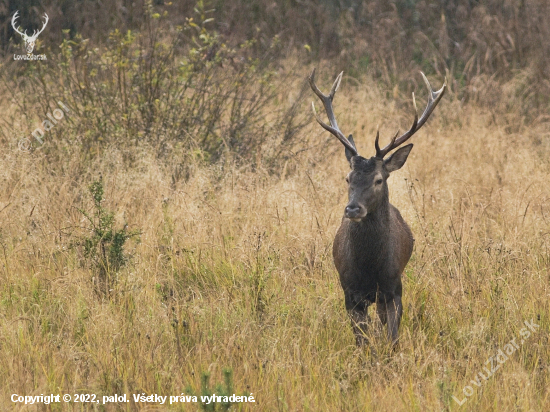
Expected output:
(369, 237)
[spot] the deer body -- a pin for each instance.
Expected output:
(370, 257)
(373, 244)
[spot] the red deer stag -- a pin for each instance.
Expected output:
(373, 244)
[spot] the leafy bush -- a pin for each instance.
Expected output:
(478, 44)
(182, 91)
(104, 246)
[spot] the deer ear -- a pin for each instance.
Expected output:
(349, 154)
(398, 158)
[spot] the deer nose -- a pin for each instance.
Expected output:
(352, 211)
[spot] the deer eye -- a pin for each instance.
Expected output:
(378, 182)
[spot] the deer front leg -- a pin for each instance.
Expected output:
(358, 313)
(359, 322)
(390, 313)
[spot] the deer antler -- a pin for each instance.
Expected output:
(35, 34)
(433, 100)
(13, 24)
(327, 103)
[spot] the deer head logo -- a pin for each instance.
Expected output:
(29, 40)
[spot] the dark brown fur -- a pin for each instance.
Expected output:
(373, 244)
(371, 254)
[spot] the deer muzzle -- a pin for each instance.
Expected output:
(355, 212)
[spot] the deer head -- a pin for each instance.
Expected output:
(367, 184)
(29, 40)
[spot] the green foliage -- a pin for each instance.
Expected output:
(104, 246)
(475, 42)
(221, 389)
(182, 90)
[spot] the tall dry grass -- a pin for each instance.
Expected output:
(234, 270)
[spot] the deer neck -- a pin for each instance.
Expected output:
(370, 237)
(377, 220)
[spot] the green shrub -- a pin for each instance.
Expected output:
(224, 389)
(182, 91)
(104, 246)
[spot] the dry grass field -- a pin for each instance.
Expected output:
(233, 271)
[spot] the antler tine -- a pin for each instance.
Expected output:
(327, 100)
(35, 33)
(13, 19)
(327, 103)
(44, 25)
(383, 152)
(335, 132)
(335, 85)
(433, 100)
(378, 152)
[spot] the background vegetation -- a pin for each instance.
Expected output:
(495, 52)
(174, 231)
